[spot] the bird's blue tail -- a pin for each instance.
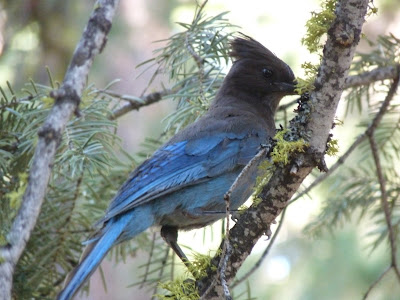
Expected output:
(97, 249)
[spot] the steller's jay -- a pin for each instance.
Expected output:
(182, 185)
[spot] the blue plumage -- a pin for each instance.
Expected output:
(183, 184)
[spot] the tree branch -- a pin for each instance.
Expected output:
(67, 99)
(136, 104)
(376, 282)
(343, 36)
(265, 253)
(366, 78)
(385, 205)
(382, 182)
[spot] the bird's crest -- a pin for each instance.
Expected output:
(245, 47)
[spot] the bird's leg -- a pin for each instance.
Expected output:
(170, 236)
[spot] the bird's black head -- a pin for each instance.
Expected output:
(258, 73)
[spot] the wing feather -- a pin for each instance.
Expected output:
(181, 164)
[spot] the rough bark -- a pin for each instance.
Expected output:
(67, 99)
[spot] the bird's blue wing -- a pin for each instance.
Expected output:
(180, 164)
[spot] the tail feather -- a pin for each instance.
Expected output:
(93, 255)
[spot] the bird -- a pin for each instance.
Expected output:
(182, 185)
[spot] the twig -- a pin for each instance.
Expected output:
(255, 160)
(14, 101)
(225, 259)
(382, 182)
(196, 57)
(385, 104)
(199, 61)
(376, 282)
(265, 253)
(385, 205)
(135, 104)
(366, 78)
(67, 100)
(227, 250)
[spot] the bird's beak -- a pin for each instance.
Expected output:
(287, 88)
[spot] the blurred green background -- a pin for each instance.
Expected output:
(35, 34)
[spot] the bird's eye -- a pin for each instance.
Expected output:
(267, 73)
